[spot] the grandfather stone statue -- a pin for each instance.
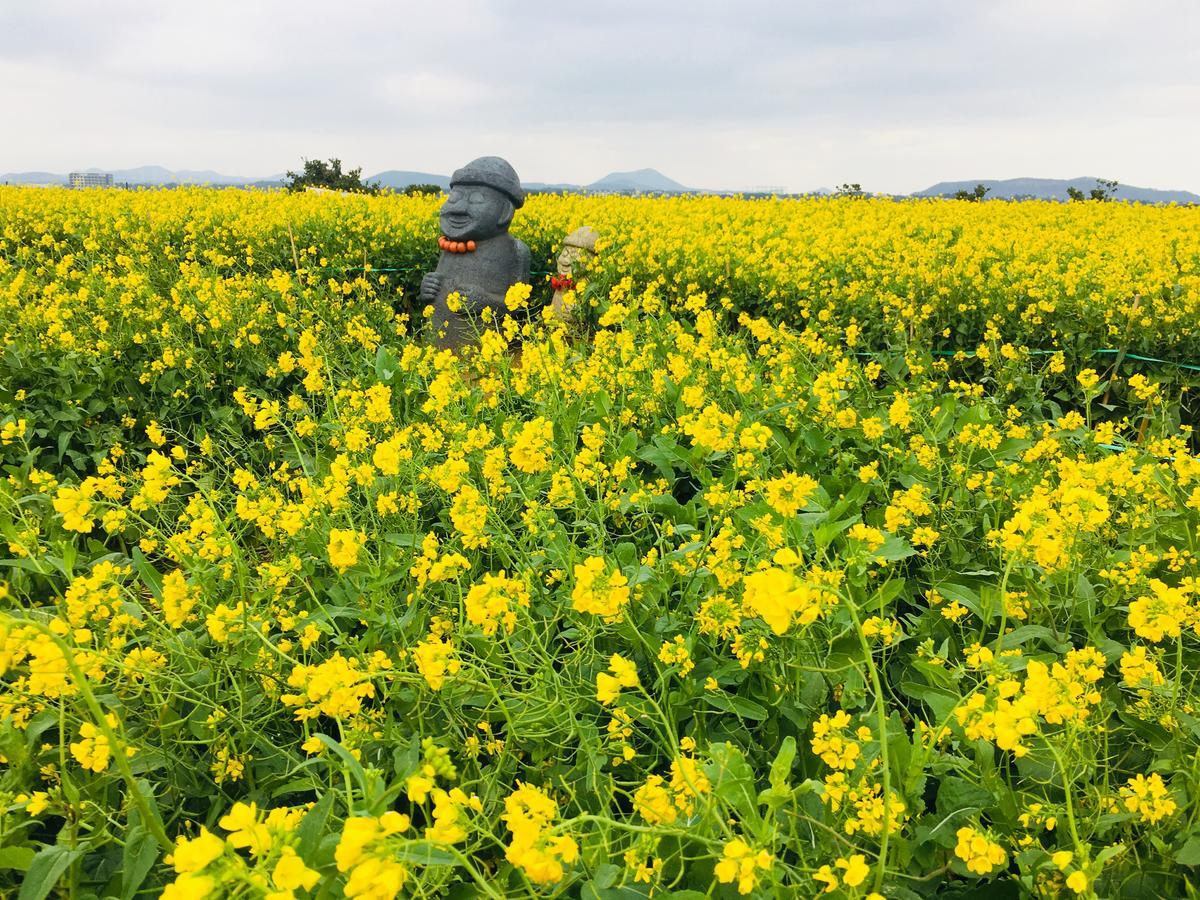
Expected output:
(479, 260)
(579, 243)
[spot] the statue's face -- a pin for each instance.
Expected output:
(473, 213)
(567, 258)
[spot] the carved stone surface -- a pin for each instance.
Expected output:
(580, 242)
(480, 261)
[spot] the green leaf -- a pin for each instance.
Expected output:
(963, 594)
(45, 869)
(143, 787)
(827, 531)
(148, 574)
(386, 363)
(781, 768)
(660, 459)
(352, 764)
(733, 781)
(17, 858)
(404, 540)
(606, 875)
(312, 826)
(959, 795)
(138, 856)
(425, 853)
(1189, 853)
(739, 706)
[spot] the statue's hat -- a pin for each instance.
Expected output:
(493, 172)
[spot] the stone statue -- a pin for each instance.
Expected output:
(479, 260)
(580, 242)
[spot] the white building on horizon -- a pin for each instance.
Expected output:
(90, 179)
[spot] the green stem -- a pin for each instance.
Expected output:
(152, 820)
(881, 718)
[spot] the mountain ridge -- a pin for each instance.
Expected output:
(636, 181)
(1054, 189)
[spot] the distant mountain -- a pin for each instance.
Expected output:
(543, 187)
(638, 182)
(155, 175)
(142, 175)
(398, 180)
(33, 178)
(1054, 189)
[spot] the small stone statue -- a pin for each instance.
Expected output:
(479, 260)
(579, 242)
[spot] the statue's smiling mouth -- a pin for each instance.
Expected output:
(458, 218)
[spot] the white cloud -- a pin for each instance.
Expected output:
(803, 95)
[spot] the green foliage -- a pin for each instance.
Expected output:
(318, 173)
(1104, 190)
(414, 189)
(974, 196)
(841, 555)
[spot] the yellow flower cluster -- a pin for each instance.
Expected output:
(208, 866)
(493, 603)
(623, 675)
(1059, 693)
(980, 853)
(1149, 797)
(742, 864)
(529, 814)
(875, 467)
(781, 596)
(93, 750)
(366, 852)
(853, 872)
(336, 687)
(599, 591)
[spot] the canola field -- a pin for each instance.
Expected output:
(835, 547)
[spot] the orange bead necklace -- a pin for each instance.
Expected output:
(456, 246)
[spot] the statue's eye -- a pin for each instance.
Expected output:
(476, 197)
(454, 197)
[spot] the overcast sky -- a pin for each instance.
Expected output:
(896, 94)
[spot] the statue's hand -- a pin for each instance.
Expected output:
(431, 284)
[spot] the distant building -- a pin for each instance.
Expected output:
(90, 179)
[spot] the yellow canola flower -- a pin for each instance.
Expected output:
(190, 887)
(246, 829)
(291, 874)
(364, 851)
(1163, 613)
(336, 687)
(436, 660)
(196, 854)
(178, 599)
(597, 590)
(75, 505)
(781, 597)
(344, 545)
(742, 864)
(978, 851)
(493, 603)
(789, 493)
(1149, 797)
(541, 854)
(92, 750)
(533, 446)
(624, 675)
